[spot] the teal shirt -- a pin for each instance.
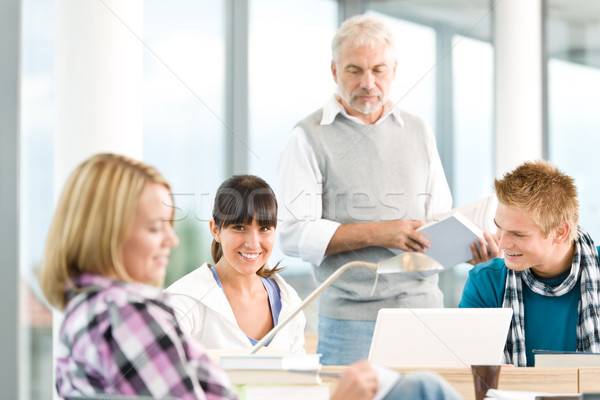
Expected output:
(550, 322)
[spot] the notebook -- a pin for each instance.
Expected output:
(439, 337)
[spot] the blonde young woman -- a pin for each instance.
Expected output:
(108, 242)
(110, 239)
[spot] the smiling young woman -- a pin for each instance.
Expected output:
(240, 294)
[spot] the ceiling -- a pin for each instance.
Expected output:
(572, 26)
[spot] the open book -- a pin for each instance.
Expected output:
(452, 233)
(480, 212)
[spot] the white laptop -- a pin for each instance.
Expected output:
(439, 337)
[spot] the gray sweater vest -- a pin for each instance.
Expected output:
(371, 173)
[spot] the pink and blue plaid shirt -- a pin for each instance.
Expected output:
(122, 338)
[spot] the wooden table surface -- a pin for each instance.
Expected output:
(547, 380)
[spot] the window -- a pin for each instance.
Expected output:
(414, 88)
(289, 73)
(573, 92)
(184, 114)
(472, 138)
(473, 119)
(36, 163)
(289, 77)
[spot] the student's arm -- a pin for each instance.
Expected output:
(297, 334)
(471, 296)
(484, 287)
(187, 311)
(358, 382)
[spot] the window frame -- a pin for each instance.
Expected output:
(10, 41)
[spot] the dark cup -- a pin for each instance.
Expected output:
(485, 377)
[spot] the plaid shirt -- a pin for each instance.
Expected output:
(122, 338)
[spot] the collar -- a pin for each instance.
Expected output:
(87, 284)
(333, 107)
(89, 279)
(201, 285)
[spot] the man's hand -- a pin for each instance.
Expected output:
(358, 382)
(402, 234)
(485, 250)
(396, 234)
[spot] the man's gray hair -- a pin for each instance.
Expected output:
(360, 30)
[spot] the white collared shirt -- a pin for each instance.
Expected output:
(302, 230)
(203, 311)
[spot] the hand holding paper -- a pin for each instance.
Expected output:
(403, 234)
(485, 248)
(452, 234)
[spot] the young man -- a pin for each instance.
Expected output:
(550, 273)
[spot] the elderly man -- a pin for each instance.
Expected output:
(357, 178)
(550, 274)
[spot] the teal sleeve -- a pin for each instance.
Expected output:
(485, 285)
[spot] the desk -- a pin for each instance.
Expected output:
(589, 379)
(549, 380)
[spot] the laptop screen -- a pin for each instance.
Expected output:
(439, 337)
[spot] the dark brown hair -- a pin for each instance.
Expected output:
(240, 200)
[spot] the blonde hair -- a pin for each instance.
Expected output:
(361, 30)
(542, 190)
(92, 218)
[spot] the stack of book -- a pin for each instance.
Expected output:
(565, 359)
(495, 394)
(275, 376)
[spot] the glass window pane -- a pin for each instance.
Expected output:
(184, 114)
(289, 73)
(573, 87)
(36, 193)
(414, 88)
(289, 54)
(289, 77)
(472, 138)
(473, 123)
(573, 126)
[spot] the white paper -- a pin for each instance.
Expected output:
(386, 380)
(450, 240)
(496, 394)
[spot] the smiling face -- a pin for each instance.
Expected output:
(246, 247)
(148, 244)
(525, 246)
(364, 76)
